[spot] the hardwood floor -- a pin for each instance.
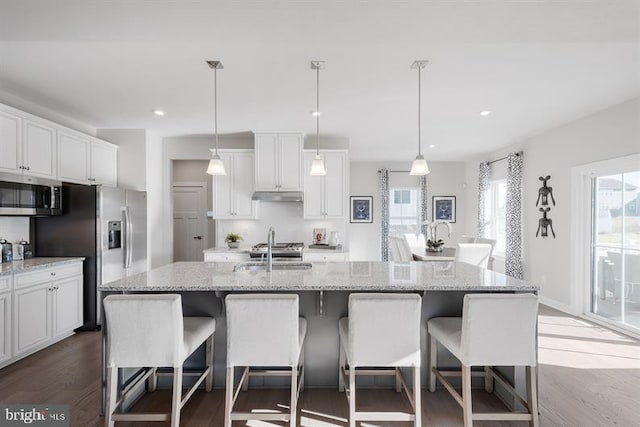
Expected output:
(588, 377)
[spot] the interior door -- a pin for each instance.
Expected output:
(189, 233)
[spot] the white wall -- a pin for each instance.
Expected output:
(445, 179)
(14, 228)
(131, 156)
(287, 220)
(611, 133)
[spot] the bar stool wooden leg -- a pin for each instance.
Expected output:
(467, 406)
(176, 401)
(294, 397)
(152, 382)
(433, 363)
(302, 369)
(209, 357)
(352, 396)
(228, 402)
(532, 396)
(341, 366)
(398, 382)
(112, 396)
(417, 396)
(488, 379)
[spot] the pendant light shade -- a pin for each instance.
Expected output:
(216, 166)
(419, 165)
(317, 167)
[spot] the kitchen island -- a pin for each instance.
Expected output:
(323, 290)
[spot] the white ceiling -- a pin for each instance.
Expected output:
(535, 64)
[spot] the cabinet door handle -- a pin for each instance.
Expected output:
(198, 237)
(53, 273)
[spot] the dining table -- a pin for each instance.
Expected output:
(421, 254)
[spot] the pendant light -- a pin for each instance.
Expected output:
(419, 165)
(216, 166)
(317, 167)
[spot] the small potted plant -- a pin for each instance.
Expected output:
(233, 240)
(433, 243)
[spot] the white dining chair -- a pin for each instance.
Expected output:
(400, 249)
(494, 330)
(474, 253)
(149, 330)
(380, 336)
(264, 330)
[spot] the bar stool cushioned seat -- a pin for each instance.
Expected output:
(149, 330)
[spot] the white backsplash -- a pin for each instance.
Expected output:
(14, 228)
(286, 218)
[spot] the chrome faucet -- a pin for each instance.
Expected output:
(271, 240)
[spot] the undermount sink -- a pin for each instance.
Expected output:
(262, 266)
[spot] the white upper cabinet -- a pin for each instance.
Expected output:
(325, 196)
(232, 192)
(104, 163)
(278, 161)
(74, 157)
(10, 142)
(86, 160)
(33, 146)
(39, 154)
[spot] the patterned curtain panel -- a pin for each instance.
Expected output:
(383, 179)
(483, 198)
(424, 204)
(513, 250)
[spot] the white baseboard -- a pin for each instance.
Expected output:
(557, 305)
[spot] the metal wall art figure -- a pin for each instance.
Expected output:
(544, 224)
(545, 191)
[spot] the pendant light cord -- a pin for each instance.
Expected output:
(215, 105)
(419, 104)
(318, 111)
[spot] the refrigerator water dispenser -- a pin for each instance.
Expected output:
(115, 241)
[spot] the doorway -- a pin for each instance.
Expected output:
(189, 221)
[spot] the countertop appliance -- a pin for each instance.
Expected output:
(279, 250)
(29, 196)
(107, 226)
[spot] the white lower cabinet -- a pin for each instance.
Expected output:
(44, 307)
(5, 327)
(328, 257)
(226, 257)
(32, 317)
(67, 305)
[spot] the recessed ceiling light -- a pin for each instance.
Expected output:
(159, 112)
(316, 113)
(432, 146)
(485, 113)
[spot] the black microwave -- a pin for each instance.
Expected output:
(29, 196)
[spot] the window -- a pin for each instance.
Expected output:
(615, 248)
(404, 211)
(497, 215)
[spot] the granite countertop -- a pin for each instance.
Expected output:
(225, 249)
(7, 268)
(338, 276)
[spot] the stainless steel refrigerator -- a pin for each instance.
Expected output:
(107, 226)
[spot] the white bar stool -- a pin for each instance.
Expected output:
(382, 331)
(494, 330)
(264, 330)
(148, 330)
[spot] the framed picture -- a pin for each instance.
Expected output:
(320, 236)
(444, 208)
(361, 209)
